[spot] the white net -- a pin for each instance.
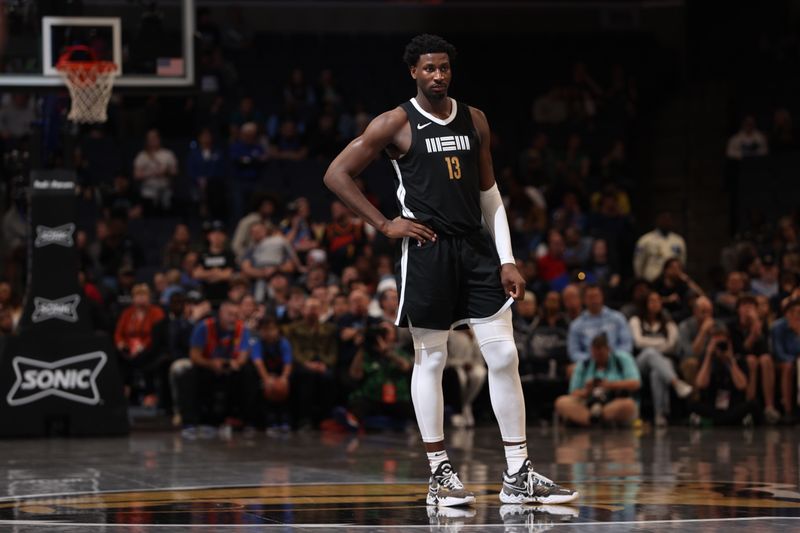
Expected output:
(90, 85)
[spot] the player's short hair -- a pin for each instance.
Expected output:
(427, 44)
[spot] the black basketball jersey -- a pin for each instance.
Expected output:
(437, 180)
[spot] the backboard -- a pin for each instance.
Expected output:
(151, 41)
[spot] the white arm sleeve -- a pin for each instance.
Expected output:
(494, 215)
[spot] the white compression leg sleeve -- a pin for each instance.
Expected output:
(496, 339)
(430, 355)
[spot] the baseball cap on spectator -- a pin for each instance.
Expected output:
(213, 225)
(317, 256)
(384, 285)
(195, 296)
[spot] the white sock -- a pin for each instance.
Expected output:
(437, 458)
(515, 456)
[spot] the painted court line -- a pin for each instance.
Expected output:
(359, 526)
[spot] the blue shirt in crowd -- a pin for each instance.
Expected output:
(586, 327)
(223, 348)
(785, 342)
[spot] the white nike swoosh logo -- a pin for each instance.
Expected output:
(420, 126)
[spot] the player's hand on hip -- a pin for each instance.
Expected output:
(403, 227)
(513, 282)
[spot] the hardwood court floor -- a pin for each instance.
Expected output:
(678, 479)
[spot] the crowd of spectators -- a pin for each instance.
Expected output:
(259, 310)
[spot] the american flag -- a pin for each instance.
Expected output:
(169, 66)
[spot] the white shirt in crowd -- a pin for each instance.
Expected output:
(156, 168)
(747, 144)
(653, 249)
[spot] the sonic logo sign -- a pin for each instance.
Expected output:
(60, 235)
(73, 378)
(65, 308)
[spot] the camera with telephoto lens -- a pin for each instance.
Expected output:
(597, 399)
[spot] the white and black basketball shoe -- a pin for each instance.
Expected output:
(446, 490)
(527, 486)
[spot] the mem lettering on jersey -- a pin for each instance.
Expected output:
(449, 143)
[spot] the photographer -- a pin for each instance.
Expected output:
(602, 388)
(220, 353)
(722, 385)
(382, 374)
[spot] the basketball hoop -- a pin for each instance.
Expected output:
(89, 82)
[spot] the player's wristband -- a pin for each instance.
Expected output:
(494, 216)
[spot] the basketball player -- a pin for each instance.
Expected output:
(450, 272)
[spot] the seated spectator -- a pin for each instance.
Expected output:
(725, 301)
(188, 264)
(751, 345)
(786, 346)
(6, 323)
(171, 343)
(177, 247)
(569, 213)
(465, 359)
(314, 348)
(544, 350)
(655, 337)
(722, 384)
(221, 352)
(749, 141)
(693, 336)
(10, 302)
(552, 264)
(640, 289)
(602, 388)
(782, 139)
(352, 327)
(574, 161)
(292, 310)
(205, 166)
(676, 289)
(134, 341)
(325, 141)
(17, 115)
(251, 312)
(246, 112)
(268, 254)
(573, 302)
(289, 144)
(601, 267)
(597, 319)
(122, 198)
(344, 237)
(247, 157)
(275, 370)
(119, 250)
(654, 248)
(577, 248)
(216, 266)
(766, 281)
(382, 376)
(154, 169)
(265, 209)
(298, 227)
(389, 303)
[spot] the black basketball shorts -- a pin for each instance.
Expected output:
(450, 282)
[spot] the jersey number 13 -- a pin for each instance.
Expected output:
(453, 167)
